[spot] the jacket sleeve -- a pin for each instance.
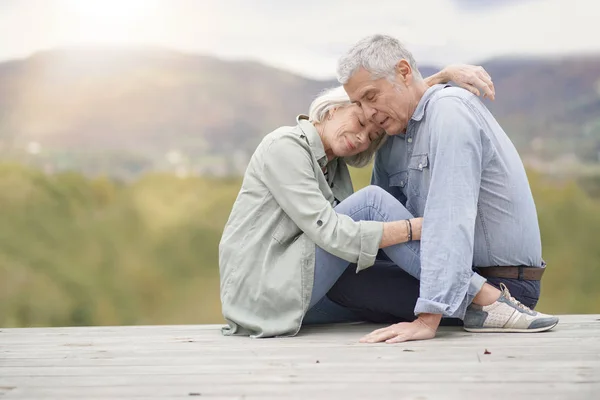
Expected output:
(290, 177)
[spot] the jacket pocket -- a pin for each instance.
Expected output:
(286, 231)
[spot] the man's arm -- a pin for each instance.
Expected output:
(447, 281)
(447, 242)
(468, 77)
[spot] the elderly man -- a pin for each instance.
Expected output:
(449, 161)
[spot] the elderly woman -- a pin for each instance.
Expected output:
(296, 224)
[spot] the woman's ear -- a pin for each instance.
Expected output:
(331, 112)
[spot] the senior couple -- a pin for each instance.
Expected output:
(447, 231)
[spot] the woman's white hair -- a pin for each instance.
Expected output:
(378, 54)
(331, 99)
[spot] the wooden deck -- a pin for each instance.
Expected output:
(156, 362)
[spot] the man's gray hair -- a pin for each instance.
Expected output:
(378, 54)
(335, 98)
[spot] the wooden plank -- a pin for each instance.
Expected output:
(395, 391)
(323, 362)
(567, 321)
(499, 355)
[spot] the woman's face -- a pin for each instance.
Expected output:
(347, 131)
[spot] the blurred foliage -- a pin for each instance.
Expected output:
(78, 251)
(81, 251)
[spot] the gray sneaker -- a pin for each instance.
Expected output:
(506, 315)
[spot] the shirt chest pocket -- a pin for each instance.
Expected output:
(399, 179)
(419, 175)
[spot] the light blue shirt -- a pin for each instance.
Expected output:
(457, 168)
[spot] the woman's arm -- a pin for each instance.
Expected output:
(398, 231)
(288, 174)
(469, 77)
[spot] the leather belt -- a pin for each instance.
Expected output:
(521, 273)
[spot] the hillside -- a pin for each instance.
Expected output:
(126, 111)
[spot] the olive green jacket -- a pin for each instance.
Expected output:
(284, 209)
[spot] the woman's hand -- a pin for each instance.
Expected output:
(423, 328)
(470, 77)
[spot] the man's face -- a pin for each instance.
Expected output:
(389, 105)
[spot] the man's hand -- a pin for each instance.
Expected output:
(470, 77)
(423, 328)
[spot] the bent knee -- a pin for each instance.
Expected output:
(373, 191)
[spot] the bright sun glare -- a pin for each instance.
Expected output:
(109, 21)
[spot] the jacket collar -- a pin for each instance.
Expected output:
(312, 137)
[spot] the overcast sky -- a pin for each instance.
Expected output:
(306, 36)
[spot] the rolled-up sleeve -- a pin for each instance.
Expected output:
(289, 176)
(448, 283)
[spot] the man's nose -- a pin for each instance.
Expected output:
(369, 112)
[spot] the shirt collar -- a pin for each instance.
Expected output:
(314, 140)
(420, 111)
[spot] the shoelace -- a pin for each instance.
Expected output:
(507, 294)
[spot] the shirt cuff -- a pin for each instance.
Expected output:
(452, 310)
(371, 233)
(430, 307)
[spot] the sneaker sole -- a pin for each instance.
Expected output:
(509, 330)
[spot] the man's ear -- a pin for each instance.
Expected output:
(403, 72)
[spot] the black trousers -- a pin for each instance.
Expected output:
(387, 294)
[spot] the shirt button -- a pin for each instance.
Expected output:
(401, 183)
(420, 166)
(319, 222)
(409, 140)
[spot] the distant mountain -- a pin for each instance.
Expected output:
(123, 111)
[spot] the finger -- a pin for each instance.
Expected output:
(382, 336)
(381, 330)
(483, 72)
(485, 85)
(398, 339)
(372, 335)
(485, 80)
(376, 331)
(472, 89)
(493, 96)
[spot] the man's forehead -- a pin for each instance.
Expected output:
(359, 84)
(358, 79)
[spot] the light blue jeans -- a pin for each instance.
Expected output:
(369, 204)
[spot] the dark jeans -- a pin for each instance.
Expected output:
(385, 293)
